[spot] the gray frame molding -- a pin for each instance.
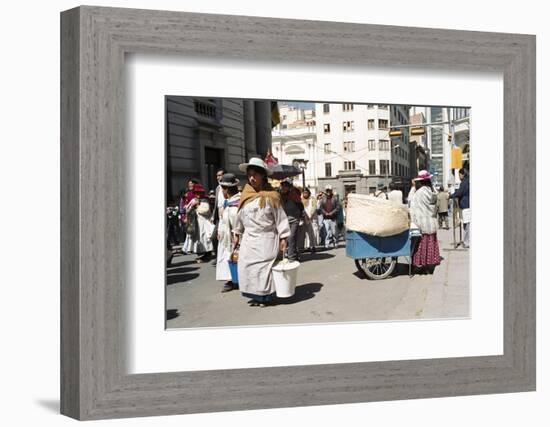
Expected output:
(94, 40)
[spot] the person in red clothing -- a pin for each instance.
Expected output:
(423, 211)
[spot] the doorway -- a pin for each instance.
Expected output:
(213, 158)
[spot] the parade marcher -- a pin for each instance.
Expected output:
(226, 225)
(172, 223)
(381, 192)
(217, 208)
(463, 196)
(424, 214)
(198, 225)
(212, 200)
(339, 219)
(186, 198)
(395, 195)
(443, 208)
(294, 210)
(329, 209)
(320, 219)
(261, 233)
(309, 228)
(172, 226)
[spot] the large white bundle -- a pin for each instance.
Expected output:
(375, 216)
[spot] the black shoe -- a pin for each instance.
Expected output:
(227, 287)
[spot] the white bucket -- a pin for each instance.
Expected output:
(285, 276)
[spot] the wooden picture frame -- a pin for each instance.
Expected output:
(94, 41)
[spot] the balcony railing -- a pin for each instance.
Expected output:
(206, 109)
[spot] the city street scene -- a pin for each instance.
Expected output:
(292, 212)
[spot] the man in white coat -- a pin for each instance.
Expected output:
(261, 230)
(226, 225)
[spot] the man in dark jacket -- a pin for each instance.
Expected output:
(294, 209)
(463, 196)
(329, 208)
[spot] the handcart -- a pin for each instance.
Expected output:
(377, 256)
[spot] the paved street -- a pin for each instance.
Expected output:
(329, 290)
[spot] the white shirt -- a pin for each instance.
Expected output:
(396, 196)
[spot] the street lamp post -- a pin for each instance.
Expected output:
(302, 164)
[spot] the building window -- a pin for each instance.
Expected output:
(370, 106)
(382, 124)
(349, 146)
(372, 167)
(371, 124)
(326, 108)
(461, 113)
(384, 145)
(327, 148)
(347, 107)
(384, 166)
(206, 108)
(382, 107)
(328, 169)
(348, 126)
(349, 165)
(326, 127)
(372, 145)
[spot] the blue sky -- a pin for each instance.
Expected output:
(301, 105)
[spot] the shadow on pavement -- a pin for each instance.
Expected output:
(177, 278)
(181, 270)
(401, 269)
(303, 293)
(172, 314)
(181, 263)
(315, 256)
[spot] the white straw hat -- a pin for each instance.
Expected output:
(257, 162)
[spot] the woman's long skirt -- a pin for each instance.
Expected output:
(427, 251)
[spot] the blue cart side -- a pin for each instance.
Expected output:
(361, 245)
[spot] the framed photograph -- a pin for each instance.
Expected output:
(261, 213)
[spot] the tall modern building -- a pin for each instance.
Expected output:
(403, 153)
(205, 134)
(448, 130)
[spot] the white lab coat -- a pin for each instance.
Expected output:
(261, 230)
(225, 238)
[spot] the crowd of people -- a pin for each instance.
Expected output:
(256, 224)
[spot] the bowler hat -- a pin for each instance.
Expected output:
(229, 180)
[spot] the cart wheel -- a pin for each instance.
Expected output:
(376, 268)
